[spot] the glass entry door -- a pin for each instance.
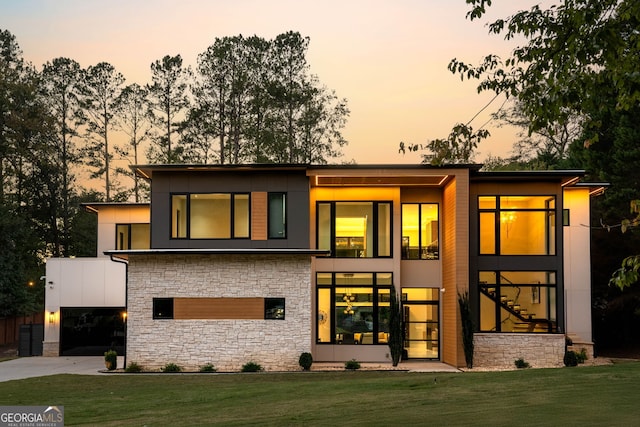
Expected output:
(421, 322)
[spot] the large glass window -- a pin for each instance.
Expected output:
(353, 308)
(419, 231)
(517, 225)
(355, 229)
(518, 301)
(132, 236)
(421, 322)
(210, 216)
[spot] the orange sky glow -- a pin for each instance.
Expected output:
(387, 58)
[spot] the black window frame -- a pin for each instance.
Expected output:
(495, 289)
(159, 305)
(271, 307)
(375, 298)
(188, 215)
(421, 246)
(375, 214)
(128, 225)
(270, 233)
(497, 215)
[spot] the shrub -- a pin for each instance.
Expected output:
(111, 359)
(305, 361)
(251, 367)
(133, 367)
(171, 367)
(467, 327)
(521, 364)
(582, 355)
(352, 364)
(208, 368)
(570, 358)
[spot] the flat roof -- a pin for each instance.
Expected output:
(190, 251)
(146, 171)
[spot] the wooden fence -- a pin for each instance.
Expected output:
(10, 326)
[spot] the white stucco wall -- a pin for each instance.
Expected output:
(79, 282)
(227, 344)
(577, 264)
(109, 216)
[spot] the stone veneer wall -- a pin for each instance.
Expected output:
(502, 350)
(227, 344)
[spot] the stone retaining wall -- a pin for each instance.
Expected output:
(226, 344)
(502, 350)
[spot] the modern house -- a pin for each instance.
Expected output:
(263, 262)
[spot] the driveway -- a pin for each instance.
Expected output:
(28, 367)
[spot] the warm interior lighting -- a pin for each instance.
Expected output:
(124, 316)
(351, 226)
(380, 180)
(52, 317)
(507, 217)
(349, 299)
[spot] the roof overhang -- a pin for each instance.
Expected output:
(125, 254)
(147, 171)
(384, 175)
(595, 188)
(94, 207)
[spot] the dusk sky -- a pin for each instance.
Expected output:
(387, 58)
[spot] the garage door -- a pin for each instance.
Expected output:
(87, 331)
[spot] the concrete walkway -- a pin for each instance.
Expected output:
(29, 367)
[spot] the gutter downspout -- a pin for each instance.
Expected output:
(126, 302)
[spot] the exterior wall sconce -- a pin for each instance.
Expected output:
(52, 317)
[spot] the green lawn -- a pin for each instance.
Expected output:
(602, 395)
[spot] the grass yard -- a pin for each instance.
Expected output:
(599, 395)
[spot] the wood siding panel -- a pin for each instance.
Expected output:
(455, 269)
(218, 308)
(259, 215)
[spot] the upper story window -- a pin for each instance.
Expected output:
(517, 225)
(210, 216)
(420, 231)
(355, 229)
(132, 236)
(277, 215)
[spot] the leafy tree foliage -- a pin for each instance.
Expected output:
(255, 100)
(132, 120)
(100, 104)
(61, 87)
(396, 328)
(573, 50)
(457, 148)
(168, 101)
(543, 148)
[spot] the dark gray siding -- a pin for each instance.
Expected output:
(294, 183)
